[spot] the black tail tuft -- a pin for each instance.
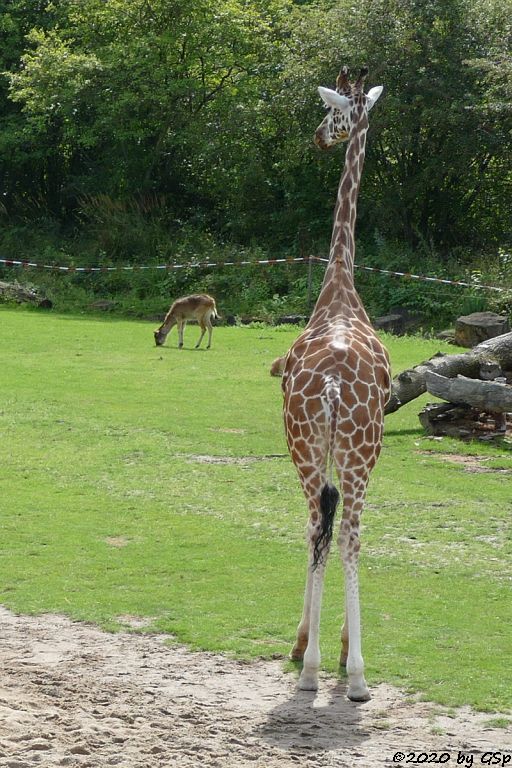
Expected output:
(329, 500)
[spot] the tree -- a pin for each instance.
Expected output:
(130, 93)
(201, 115)
(437, 148)
(19, 158)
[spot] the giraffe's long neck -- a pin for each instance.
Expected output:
(338, 295)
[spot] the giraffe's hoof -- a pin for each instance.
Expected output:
(359, 694)
(308, 682)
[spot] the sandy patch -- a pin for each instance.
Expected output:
(238, 460)
(467, 462)
(71, 695)
(228, 431)
(117, 541)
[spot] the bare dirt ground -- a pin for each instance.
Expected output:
(72, 695)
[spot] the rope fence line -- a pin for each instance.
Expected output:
(411, 276)
(220, 264)
(137, 267)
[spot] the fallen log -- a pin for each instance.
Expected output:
(411, 383)
(490, 396)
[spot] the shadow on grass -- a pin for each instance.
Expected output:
(171, 348)
(400, 432)
(94, 318)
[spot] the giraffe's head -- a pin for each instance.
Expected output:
(346, 106)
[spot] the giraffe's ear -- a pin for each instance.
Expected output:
(333, 99)
(373, 94)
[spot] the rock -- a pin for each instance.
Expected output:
(447, 335)
(399, 321)
(292, 320)
(104, 305)
(472, 329)
(390, 323)
(412, 320)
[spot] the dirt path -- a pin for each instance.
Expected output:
(71, 695)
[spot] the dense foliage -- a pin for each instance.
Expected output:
(153, 130)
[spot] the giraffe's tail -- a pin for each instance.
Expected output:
(329, 500)
(329, 496)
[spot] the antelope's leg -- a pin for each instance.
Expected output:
(181, 328)
(208, 322)
(203, 331)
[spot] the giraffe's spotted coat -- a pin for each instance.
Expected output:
(336, 382)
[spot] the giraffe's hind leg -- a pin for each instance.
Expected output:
(322, 499)
(320, 542)
(307, 436)
(344, 642)
(301, 641)
(354, 489)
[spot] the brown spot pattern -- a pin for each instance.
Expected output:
(336, 377)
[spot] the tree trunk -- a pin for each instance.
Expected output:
(411, 383)
(472, 329)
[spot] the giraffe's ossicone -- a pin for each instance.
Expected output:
(336, 382)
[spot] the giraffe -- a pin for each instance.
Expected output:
(336, 382)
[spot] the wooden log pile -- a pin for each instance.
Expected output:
(464, 422)
(477, 386)
(495, 355)
(475, 408)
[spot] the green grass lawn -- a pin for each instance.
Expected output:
(153, 482)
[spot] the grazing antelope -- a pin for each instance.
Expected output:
(200, 307)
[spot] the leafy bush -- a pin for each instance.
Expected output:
(255, 291)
